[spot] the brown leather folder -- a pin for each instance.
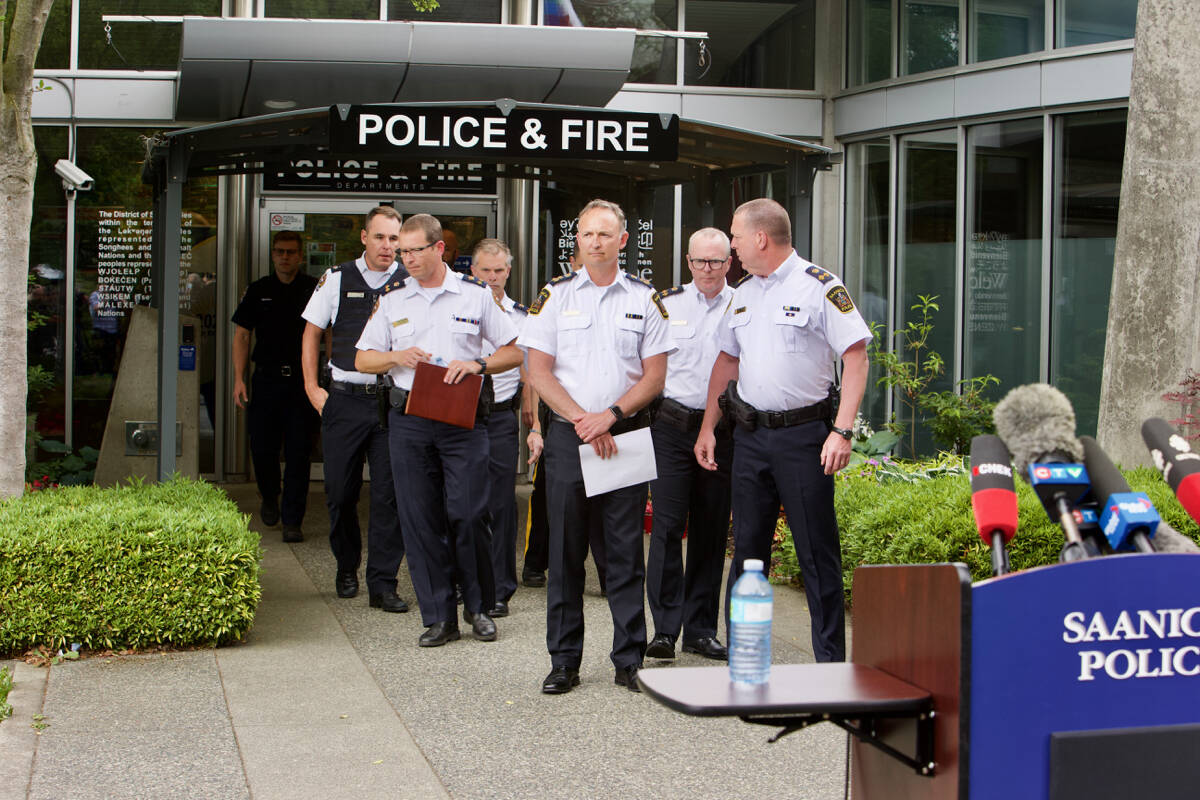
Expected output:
(432, 398)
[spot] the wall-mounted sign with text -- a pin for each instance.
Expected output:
(371, 175)
(439, 132)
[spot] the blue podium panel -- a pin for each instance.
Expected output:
(1106, 643)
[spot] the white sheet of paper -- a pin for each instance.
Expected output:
(633, 463)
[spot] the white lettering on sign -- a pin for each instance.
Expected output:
(1122, 664)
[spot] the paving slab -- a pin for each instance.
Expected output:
(18, 739)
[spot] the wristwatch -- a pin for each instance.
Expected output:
(482, 365)
(845, 433)
(617, 412)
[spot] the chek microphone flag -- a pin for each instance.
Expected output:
(993, 498)
(1174, 458)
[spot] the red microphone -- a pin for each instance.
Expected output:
(1173, 457)
(993, 497)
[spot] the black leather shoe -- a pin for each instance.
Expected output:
(500, 609)
(661, 646)
(533, 579)
(269, 511)
(708, 647)
(482, 626)
(346, 584)
(560, 680)
(292, 534)
(627, 677)
(388, 601)
(438, 634)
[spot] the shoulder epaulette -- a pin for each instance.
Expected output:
(474, 280)
(640, 280)
(743, 279)
(524, 309)
(391, 286)
(822, 275)
(557, 279)
(674, 290)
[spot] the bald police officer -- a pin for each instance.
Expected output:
(788, 323)
(597, 348)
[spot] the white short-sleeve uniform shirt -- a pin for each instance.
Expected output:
(322, 308)
(693, 322)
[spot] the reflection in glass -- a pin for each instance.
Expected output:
(926, 255)
(447, 11)
(1003, 28)
(323, 9)
(868, 227)
(928, 35)
(1002, 335)
(653, 56)
(756, 45)
(1094, 21)
(1090, 151)
(135, 45)
(55, 51)
(870, 41)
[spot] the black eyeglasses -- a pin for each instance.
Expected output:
(706, 263)
(279, 252)
(403, 253)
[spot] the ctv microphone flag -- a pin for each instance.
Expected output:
(1173, 457)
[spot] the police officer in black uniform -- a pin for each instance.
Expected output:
(353, 414)
(279, 413)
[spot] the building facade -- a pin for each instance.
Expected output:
(982, 145)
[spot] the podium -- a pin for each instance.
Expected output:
(1064, 682)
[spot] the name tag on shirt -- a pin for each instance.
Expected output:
(355, 294)
(400, 322)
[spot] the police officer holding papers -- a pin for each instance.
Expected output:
(787, 324)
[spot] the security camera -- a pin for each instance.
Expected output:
(73, 177)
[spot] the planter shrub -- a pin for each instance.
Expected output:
(127, 568)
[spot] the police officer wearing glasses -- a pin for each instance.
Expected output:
(685, 496)
(788, 323)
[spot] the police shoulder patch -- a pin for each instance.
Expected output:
(674, 290)
(822, 275)
(324, 275)
(743, 279)
(840, 298)
(658, 303)
(535, 307)
(474, 280)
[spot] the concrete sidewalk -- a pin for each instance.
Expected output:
(328, 698)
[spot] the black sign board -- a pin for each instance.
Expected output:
(453, 132)
(370, 175)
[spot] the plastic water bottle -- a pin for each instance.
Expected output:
(750, 613)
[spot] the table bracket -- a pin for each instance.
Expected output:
(863, 726)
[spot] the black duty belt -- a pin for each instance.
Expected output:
(344, 387)
(679, 416)
(277, 371)
(795, 416)
(511, 404)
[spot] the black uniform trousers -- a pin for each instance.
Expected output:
(770, 465)
(686, 495)
(504, 450)
(350, 434)
(437, 469)
(281, 416)
(537, 531)
(619, 515)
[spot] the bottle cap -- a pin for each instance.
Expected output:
(752, 565)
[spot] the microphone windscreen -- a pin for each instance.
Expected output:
(1106, 479)
(1169, 540)
(1173, 457)
(1037, 423)
(993, 496)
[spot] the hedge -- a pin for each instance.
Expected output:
(930, 522)
(127, 568)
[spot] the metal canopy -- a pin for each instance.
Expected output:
(624, 153)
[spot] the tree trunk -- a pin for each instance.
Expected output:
(1153, 329)
(18, 165)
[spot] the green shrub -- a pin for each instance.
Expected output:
(134, 567)
(884, 520)
(6, 682)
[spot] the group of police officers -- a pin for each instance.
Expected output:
(738, 385)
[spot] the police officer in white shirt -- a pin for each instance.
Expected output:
(433, 315)
(351, 427)
(491, 262)
(685, 496)
(597, 346)
(787, 325)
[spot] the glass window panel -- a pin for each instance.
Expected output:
(1003, 28)
(653, 56)
(322, 9)
(1087, 191)
(55, 50)
(870, 41)
(135, 45)
(447, 11)
(929, 35)
(926, 254)
(751, 44)
(868, 227)
(1095, 21)
(1004, 253)
(47, 296)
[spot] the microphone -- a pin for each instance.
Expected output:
(993, 497)
(1128, 518)
(1173, 457)
(1037, 423)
